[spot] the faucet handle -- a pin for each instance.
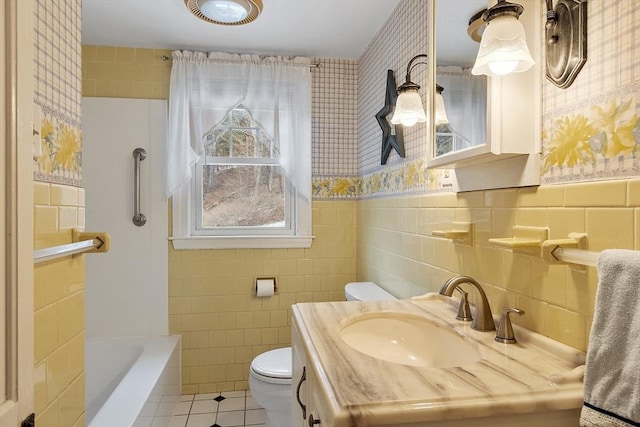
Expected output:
(464, 311)
(505, 330)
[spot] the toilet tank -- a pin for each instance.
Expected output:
(366, 291)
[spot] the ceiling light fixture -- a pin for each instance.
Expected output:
(225, 12)
(503, 48)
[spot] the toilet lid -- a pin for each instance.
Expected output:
(273, 364)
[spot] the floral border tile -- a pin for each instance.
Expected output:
(408, 177)
(61, 159)
(599, 141)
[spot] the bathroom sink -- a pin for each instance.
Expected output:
(408, 340)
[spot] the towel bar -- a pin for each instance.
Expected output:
(83, 242)
(572, 251)
(576, 256)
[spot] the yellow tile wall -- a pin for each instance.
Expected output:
(395, 248)
(212, 301)
(59, 309)
(211, 298)
(121, 72)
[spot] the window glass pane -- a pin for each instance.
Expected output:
(266, 147)
(243, 196)
(220, 145)
(240, 118)
(239, 136)
(244, 143)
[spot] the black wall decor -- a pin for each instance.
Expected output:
(391, 134)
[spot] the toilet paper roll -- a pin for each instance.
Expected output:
(265, 287)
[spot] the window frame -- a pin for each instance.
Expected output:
(187, 230)
(197, 190)
(183, 239)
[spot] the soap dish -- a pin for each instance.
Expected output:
(461, 232)
(524, 237)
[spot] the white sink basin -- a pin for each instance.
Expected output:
(408, 340)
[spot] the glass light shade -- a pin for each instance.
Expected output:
(227, 11)
(441, 114)
(503, 48)
(408, 109)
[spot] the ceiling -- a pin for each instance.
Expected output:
(314, 28)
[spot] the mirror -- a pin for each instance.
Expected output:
(465, 95)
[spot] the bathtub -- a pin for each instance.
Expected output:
(131, 381)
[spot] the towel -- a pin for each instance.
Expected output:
(612, 375)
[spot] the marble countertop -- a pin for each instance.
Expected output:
(534, 375)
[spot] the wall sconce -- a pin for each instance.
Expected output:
(566, 37)
(409, 110)
(503, 48)
(441, 114)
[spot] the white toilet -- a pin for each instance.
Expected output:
(270, 372)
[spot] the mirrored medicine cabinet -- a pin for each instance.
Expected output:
(493, 137)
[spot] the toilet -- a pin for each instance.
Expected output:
(270, 372)
(366, 291)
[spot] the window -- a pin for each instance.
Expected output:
(238, 165)
(242, 188)
(239, 195)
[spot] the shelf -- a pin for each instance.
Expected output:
(462, 232)
(524, 237)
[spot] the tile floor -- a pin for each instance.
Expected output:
(227, 409)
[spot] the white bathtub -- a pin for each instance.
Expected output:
(131, 381)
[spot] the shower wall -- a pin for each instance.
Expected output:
(126, 292)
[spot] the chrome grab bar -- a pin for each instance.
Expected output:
(139, 154)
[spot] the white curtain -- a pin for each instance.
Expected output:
(465, 100)
(275, 90)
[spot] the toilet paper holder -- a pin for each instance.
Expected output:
(266, 286)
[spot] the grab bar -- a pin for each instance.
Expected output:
(84, 242)
(139, 154)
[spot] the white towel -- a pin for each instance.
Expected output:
(612, 376)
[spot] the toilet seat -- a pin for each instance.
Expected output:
(273, 366)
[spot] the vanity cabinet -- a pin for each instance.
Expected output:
(308, 405)
(334, 385)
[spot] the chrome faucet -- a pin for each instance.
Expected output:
(483, 320)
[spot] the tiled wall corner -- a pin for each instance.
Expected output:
(59, 309)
